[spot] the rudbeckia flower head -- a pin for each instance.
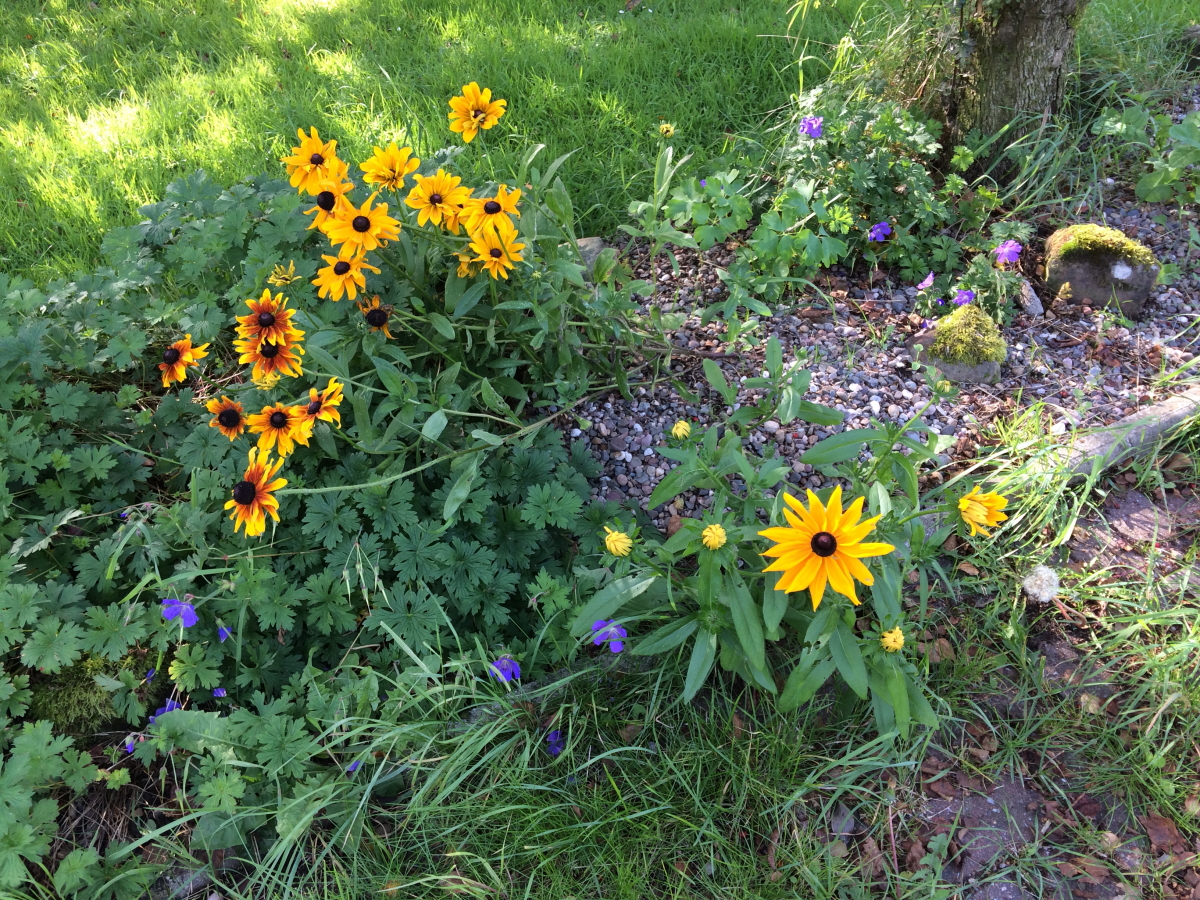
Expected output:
(270, 359)
(667, 130)
(253, 496)
(893, 640)
(377, 315)
(280, 427)
(269, 320)
(178, 357)
(497, 248)
(681, 430)
(474, 110)
(713, 537)
(982, 511)
(228, 417)
(467, 267)
(343, 275)
(618, 543)
(437, 196)
(282, 276)
(388, 168)
(362, 229)
(323, 407)
(331, 198)
(822, 544)
(313, 162)
(482, 212)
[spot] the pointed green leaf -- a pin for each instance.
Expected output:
(609, 599)
(434, 425)
(704, 654)
(848, 659)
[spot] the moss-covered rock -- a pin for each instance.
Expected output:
(1099, 266)
(965, 347)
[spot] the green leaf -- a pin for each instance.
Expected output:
(774, 357)
(897, 693)
(434, 425)
(74, 870)
(840, 447)
(461, 490)
(817, 414)
(468, 301)
(704, 654)
(390, 377)
(848, 659)
(678, 480)
(442, 325)
(490, 398)
(54, 646)
(747, 622)
(666, 638)
(487, 437)
(775, 603)
(716, 378)
(606, 601)
(804, 681)
(191, 668)
(921, 710)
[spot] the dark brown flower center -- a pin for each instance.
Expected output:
(325, 200)
(435, 199)
(492, 207)
(267, 350)
(496, 252)
(229, 418)
(479, 114)
(266, 319)
(824, 544)
(244, 492)
(278, 419)
(377, 318)
(314, 407)
(341, 267)
(171, 356)
(317, 159)
(361, 224)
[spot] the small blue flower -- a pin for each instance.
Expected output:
(611, 632)
(129, 744)
(505, 670)
(555, 743)
(962, 298)
(224, 634)
(218, 692)
(811, 126)
(353, 767)
(178, 609)
(1008, 252)
(879, 231)
(171, 706)
(926, 283)
(703, 182)
(150, 674)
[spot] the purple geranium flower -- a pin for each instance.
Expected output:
(171, 706)
(611, 632)
(218, 692)
(1008, 252)
(926, 283)
(150, 674)
(555, 743)
(879, 231)
(177, 609)
(811, 126)
(129, 744)
(505, 670)
(223, 634)
(962, 298)
(353, 767)
(703, 182)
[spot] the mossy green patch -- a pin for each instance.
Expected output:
(968, 336)
(72, 700)
(1090, 239)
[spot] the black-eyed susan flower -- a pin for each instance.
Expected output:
(893, 640)
(713, 537)
(667, 130)
(264, 381)
(343, 275)
(282, 276)
(280, 427)
(361, 229)
(177, 358)
(618, 543)
(437, 196)
(681, 430)
(331, 199)
(253, 496)
(312, 163)
(467, 267)
(497, 248)
(323, 407)
(227, 417)
(487, 211)
(452, 221)
(388, 168)
(269, 320)
(474, 110)
(822, 544)
(979, 510)
(377, 315)
(270, 358)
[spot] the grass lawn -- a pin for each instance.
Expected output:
(101, 105)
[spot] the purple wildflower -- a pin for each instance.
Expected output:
(171, 706)
(962, 298)
(223, 634)
(879, 231)
(505, 670)
(611, 632)
(555, 743)
(811, 126)
(1008, 252)
(150, 675)
(129, 744)
(939, 301)
(703, 182)
(353, 767)
(927, 323)
(177, 609)
(218, 692)
(926, 283)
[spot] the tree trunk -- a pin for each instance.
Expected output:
(1016, 65)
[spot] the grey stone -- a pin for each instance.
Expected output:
(1099, 275)
(1140, 521)
(958, 373)
(1029, 300)
(589, 250)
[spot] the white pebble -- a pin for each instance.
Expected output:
(770, 426)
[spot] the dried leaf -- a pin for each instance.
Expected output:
(967, 569)
(838, 849)
(1091, 704)
(872, 858)
(1109, 842)
(1191, 805)
(1093, 872)
(912, 859)
(738, 726)
(1163, 833)
(673, 525)
(630, 731)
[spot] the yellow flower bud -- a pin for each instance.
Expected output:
(713, 537)
(681, 430)
(893, 640)
(618, 543)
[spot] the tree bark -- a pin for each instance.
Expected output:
(1016, 66)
